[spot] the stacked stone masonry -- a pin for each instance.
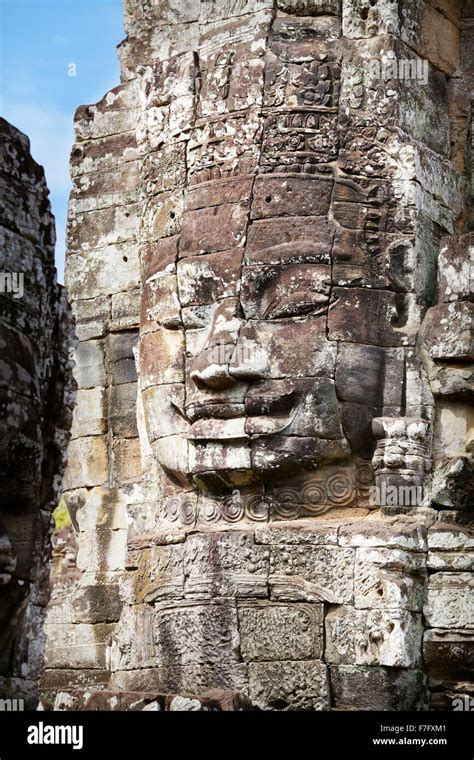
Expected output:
(36, 402)
(270, 266)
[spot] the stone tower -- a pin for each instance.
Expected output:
(36, 401)
(269, 265)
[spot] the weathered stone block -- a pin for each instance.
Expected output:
(97, 604)
(90, 414)
(121, 357)
(455, 268)
(55, 680)
(453, 422)
(200, 228)
(100, 507)
(179, 634)
(106, 187)
(105, 271)
(395, 317)
(289, 240)
(215, 193)
(89, 371)
(271, 292)
(206, 279)
(421, 26)
(310, 7)
(172, 452)
(160, 303)
(357, 687)
(88, 463)
(127, 463)
(358, 371)
(450, 601)
(102, 550)
(108, 226)
(161, 404)
(298, 349)
(289, 685)
(289, 196)
(225, 564)
(435, 25)
(77, 646)
(449, 655)
(311, 573)
(241, 74)
(193, 679)
(298, 533)
(92, 316)
(448, 331)
(462, 561)
(160, 256)
(215, 701)
(406, 534)
(373, 637)
(162, 357)
(123, 416)
(212, 456)
(112, 115)
(270, 631)
(104, 153)
(230, 9)
(157, 574)
(125, 310)
(451, 547)
(389, 579)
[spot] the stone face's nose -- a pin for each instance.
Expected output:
(211, 368)
(228, 357)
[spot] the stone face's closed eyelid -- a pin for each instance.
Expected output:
(279, 299)
(294, 305)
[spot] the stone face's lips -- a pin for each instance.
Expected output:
(263, 413)
(218, 429)
(237, 427)
(264, 425)
(216, 410)
(270, 400)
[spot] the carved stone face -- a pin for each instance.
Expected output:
(277, 303)
(236, 370)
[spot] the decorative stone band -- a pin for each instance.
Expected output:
(326, 489)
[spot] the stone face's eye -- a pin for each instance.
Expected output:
(279, 292)
(296, 304)
(296, 291)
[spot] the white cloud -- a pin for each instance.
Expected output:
(62, 40)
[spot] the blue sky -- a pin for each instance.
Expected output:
(39, 39)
